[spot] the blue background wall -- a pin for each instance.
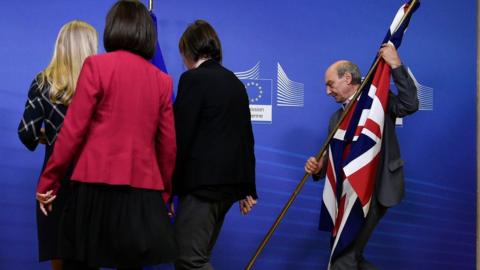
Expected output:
(434, 227)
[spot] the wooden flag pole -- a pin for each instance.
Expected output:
(320, 153)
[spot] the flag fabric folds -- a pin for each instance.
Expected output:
(354, 152)
(157, 59)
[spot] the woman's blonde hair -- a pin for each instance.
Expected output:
(76, 41)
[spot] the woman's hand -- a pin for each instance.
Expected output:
(171, 210)
(42, 138)
(45, 201)
(247, 204)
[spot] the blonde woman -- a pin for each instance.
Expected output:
(48, 99)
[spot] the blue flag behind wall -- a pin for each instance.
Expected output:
(157, 59)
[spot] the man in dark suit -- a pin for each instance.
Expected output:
(342, 80)
(215, 160)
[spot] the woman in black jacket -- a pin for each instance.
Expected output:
(215, 159)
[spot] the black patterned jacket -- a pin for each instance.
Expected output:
(40, 112)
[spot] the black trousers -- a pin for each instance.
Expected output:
(197, 226)
(75, 265)
(352, 257)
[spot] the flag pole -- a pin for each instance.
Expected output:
(150, 5)
(478, 138)
(320, 153)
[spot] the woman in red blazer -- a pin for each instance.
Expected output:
(119, 133)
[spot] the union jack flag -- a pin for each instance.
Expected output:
(354, 152)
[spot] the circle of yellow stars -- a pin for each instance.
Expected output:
(260, 91)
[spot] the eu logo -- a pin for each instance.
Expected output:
(260, 98)
(259, 91)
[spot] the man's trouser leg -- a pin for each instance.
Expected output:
(197, 226)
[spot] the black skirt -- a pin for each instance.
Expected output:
(48, 226)
(116, 226)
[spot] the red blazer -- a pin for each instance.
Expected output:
(119, 128)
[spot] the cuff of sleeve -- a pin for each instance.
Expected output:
(399, 70)
(251, 190)
(320, 175)
(166, 196)
(45, 185)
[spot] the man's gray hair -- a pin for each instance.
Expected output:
(347, 66)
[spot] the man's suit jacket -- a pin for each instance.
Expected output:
(390, 184)
(214, 132)
(119, 128)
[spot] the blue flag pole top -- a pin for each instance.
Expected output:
(157, 59)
